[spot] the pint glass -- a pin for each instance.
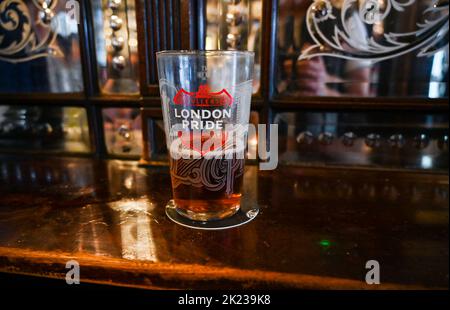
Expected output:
(206, 106)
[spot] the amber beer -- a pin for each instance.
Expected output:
(202, 203)
(208, 188)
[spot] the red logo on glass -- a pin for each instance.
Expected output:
(203, 98)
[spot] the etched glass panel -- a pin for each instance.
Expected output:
(362, 48)
(39, 47)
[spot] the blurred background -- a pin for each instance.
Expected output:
(354, 84)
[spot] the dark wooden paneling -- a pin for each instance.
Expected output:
(148, 115)
(166, 25)
(268, 47)
(87, 49)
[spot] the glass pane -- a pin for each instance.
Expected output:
(123, 131)
(389, 140)
(236, 25)
(39, 48)
(44, 129)
(364, 48)
(116, 46)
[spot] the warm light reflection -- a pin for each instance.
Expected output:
(135, 220)
(132, 42)
(126, 165)
(132, 205)
(128, 182)
(378, 28)
(252, 147)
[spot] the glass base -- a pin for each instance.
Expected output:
(208, 216)
(242, 215)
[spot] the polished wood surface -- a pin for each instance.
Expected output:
(317, 227)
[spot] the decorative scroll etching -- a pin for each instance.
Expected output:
(212, 174)
(19, 39)
(356, 29)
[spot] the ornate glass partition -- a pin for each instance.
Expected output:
(39, 47)
(362, 48)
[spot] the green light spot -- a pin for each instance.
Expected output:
(325, 243)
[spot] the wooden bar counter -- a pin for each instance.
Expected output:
(316, 230)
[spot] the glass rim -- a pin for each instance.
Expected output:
(203, 53)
